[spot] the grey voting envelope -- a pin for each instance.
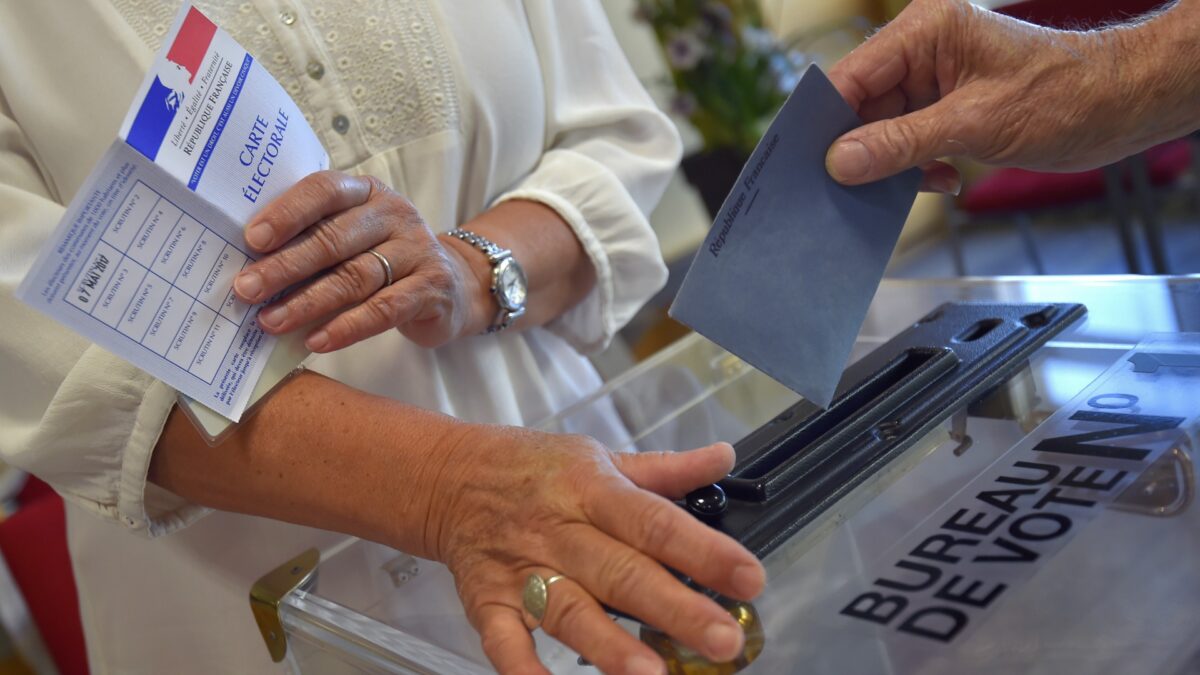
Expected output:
(788, 269)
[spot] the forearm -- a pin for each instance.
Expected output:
(321, 454)
(1161, 73)
(558, 271)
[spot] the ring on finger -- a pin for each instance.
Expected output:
(536, 595)
(387, 267)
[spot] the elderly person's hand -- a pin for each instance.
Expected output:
(521, 502)
(946, 78)
(324, 225)
(495, 504)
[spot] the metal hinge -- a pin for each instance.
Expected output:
(270, 590)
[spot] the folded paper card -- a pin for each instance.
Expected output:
(788, 270)
(142, 262)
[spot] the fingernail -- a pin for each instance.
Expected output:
(259, 235)
(848, 160)
(642, 665)
(273, 316)
(748, 581)
(723, 641)
(248, 285)
(317, 341)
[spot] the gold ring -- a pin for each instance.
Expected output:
(536, 595)
(387, 267)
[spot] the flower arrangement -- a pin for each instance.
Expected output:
(730, 75)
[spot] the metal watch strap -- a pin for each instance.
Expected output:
(489, 248)
(494, 253)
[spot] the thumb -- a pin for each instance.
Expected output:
(674, 474)
(885, 148)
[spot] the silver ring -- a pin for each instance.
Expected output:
(536, 595)
(387, 267)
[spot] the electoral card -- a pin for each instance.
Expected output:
(788, 269)
(144, 267)
(142, 262)
(214, 118)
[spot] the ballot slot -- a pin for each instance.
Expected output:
(858, 410)
(978, 329)
(805, 460)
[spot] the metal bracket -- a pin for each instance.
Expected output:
(269, 591)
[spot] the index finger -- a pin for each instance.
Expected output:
(874, 68)
(316, 196)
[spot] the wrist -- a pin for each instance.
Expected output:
(476, 274)
(421, 466)
(454, 475)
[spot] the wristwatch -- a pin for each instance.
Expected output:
(509, 286)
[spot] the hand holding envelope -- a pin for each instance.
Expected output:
(786, 274)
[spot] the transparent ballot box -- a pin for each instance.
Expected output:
(1040, 520)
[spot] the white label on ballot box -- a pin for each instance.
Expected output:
(143, 261)
(949, 575)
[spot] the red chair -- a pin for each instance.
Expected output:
(33, 542)
(1016, 193)
(1079, 13)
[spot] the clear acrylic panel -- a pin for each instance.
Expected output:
(1115, 595)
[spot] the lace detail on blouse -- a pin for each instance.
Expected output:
(384, 62)
(394, 65)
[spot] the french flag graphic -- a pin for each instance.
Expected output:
(192, 42)
(162, 101)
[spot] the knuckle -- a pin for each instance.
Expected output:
(899, 141)
(409, 218)
(377, 187)
(282, 269)
(495, 642)
(658, 526)
(327, 240)
(313, 190)
(687, 616)
(328, 184)
(565, 615)
(969, 125)
(383, 308)
(304, 304)
(350, 281)
(583, 446)
(620, 574)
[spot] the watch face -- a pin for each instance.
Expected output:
(510, 285)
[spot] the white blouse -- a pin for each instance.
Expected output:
(458, 105)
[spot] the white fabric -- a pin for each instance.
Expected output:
(457, 105)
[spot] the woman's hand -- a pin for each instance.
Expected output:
(495, 504)
(515, 502)
(320, 230)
